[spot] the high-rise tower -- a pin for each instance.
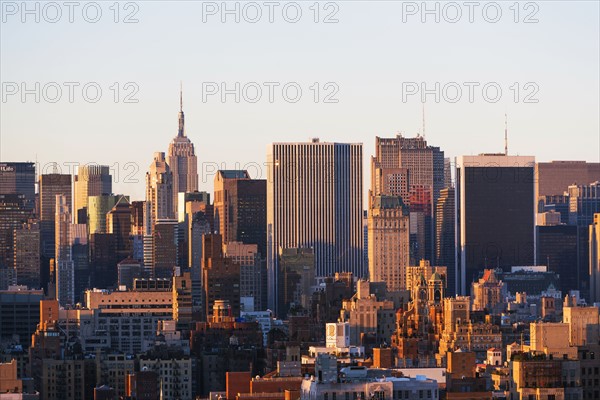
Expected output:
(314, 200)
(182, 160)
(159, 190)
(388, 231)
(240, 207)
(49, 186)
(65, 283)
(594, 230)
(495, 212)
(411, 169)
(91, 180)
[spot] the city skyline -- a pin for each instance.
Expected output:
(257, 169)
(370, 104)
(300, 200)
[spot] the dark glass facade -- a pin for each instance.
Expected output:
(445, 236)
(498, 219)
(252, 213)
(18, 178)
(557, 249)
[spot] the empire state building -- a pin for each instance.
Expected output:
(182, 160)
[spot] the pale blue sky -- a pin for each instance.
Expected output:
(369, 53)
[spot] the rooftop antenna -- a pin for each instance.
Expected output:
(505, 134)
(423, 115)
(180, 96)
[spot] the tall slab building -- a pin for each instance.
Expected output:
(240, 207)
(17, 204)
(51, 185)
(495, 200)
(554, 178)
(27, 255)
(182, 160)
(445, 228)
(594, 239)
(91, 180)
(314, 200)
(65, 269)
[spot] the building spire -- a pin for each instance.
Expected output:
(423, 116)
(505, 134)
(181, 131)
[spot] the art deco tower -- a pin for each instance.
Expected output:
(159, 190)
(182, 160)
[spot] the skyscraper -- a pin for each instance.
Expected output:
(445, 235)
(220, 276)
(388, 241)
(91, 180)
(584, 202)
(422, 227)
(50, 185)
(118, 222)
(164, 248)
(97, 210)
(495, 199)
(314, 199)
(424, 164)
(182, 161)
(27, 255)
(14, 212)
(405, 167)
(251, 274)
(103, 260)
(556, 247)
(65, 279)
(81, 263)
(17, 203)
(137, 230)
(595, 259)
(240, 207)
(18, 178)
(553, 178)
(297, 279)
(159, 190)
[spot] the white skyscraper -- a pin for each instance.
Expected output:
(65, 268)
(314, 200)
(182, 160)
